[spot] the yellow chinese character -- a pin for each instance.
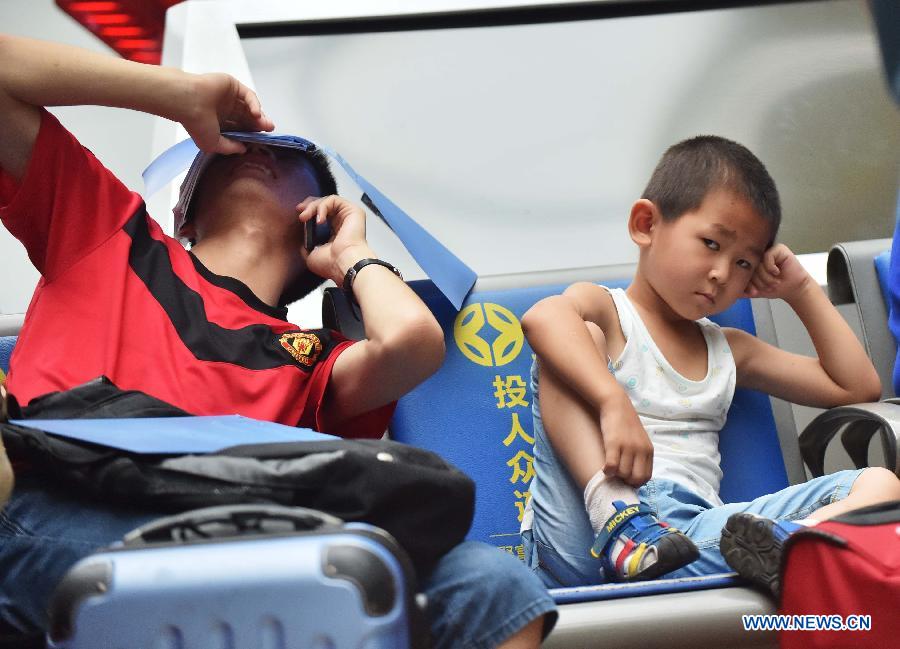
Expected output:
(510, 392)
(526, 474)
(517, 431)
(520, 552)
(523, 497)
(507, 548)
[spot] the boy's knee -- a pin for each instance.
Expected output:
(597, 335)
(880, 482)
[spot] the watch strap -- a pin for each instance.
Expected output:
(353, 271)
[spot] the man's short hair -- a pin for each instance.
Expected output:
(308, 282)
(324, 177)
(691, 169)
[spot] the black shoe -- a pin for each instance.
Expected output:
(752, 546)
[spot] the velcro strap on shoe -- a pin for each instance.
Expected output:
(616, 524)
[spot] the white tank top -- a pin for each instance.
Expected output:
(682, 417)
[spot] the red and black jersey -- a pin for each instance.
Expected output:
(117, 297)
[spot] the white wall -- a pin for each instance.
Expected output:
(119, 138)
(523, 147)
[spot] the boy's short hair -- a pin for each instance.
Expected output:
(691, 169)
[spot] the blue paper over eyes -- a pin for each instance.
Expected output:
(449, 273)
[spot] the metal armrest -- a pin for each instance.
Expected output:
(857, 423)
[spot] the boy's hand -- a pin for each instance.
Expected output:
(348, 242)
(628, 449)
(222, 103)
(779, 275)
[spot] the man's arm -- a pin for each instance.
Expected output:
(404, 344)
(37, 73)
(841, 374)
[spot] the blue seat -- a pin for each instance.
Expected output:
(476, 413)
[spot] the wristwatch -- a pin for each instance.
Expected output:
(358, 266)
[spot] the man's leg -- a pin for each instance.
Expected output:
(527, 638)
(480, 597)
(43, 532)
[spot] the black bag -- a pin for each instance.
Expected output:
(413, 494)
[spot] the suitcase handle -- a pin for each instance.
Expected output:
(230, 521)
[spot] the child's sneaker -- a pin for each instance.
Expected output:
(752, 545)
(634, 545)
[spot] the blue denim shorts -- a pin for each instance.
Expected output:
(477, 595)
(560, 564)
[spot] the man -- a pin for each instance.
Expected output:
(204, 330)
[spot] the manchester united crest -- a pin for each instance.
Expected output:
(304, 347)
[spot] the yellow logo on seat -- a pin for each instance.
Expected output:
(468, 334)
(305, 348)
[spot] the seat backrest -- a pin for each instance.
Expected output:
(857, 274)
(476, 410)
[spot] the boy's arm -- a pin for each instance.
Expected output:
(404, 344)
(37, 73)
(841, 374)
(555, 328)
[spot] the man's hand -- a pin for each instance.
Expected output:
(348, 242)
(626, 445)
(779, 275)
(222, 103)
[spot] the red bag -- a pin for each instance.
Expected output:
(841, 579)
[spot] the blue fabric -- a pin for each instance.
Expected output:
(175, 435)
(477, 596)
(6, 349)
(458, 414)
(604, 592)
(893, 285)
(557, 552)
(882, 271)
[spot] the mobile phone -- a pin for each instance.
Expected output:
(315, 234)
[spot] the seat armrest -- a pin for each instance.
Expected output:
(341, 314)
(857, 423)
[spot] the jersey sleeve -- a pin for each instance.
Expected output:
(369, 425)
(66, 204)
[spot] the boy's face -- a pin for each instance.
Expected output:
(703, 261)
(274, 179)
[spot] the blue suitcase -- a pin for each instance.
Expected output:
(241, 577)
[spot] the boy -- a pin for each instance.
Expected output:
(636, 396)
(204, 330)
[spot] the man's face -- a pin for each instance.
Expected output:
(265, 179)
